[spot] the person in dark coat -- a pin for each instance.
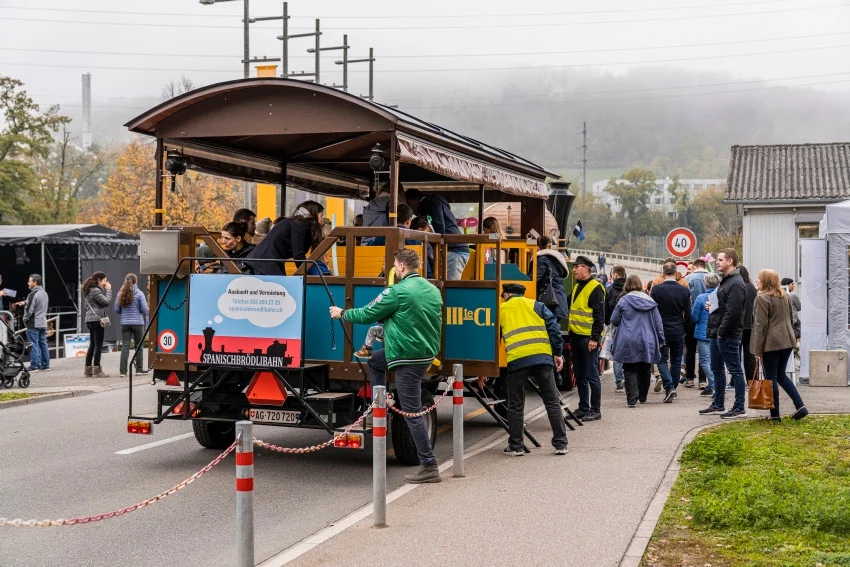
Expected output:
(97, 298)
(638, 340)
(438, 211)
(612, 296)
(674, 304)
(234, 241)
(551, 270)
(725, 328)
(290, 238)
(750, 363)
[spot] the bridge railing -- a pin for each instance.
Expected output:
(643, 263)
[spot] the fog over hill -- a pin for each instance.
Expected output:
(667, 119)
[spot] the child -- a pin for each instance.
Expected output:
(375, 333)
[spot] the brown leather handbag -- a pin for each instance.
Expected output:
(760, 394)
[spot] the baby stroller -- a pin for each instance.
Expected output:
(12, 354)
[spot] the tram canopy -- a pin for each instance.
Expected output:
(320, 139)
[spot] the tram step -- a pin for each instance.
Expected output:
(491, 402)
(334, 396)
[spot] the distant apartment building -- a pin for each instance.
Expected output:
(663, 199)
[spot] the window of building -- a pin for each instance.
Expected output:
(808, 230)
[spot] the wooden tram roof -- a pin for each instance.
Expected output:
(255, 129)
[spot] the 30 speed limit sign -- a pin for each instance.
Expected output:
(167, 340)
(681, 242)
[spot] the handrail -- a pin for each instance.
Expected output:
(611, 256)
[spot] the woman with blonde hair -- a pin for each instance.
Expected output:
(773, 339)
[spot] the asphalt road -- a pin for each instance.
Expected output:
(59, 461)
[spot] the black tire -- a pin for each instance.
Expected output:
(9, 382)
(403, 446)
(214, 434)
(24, 380)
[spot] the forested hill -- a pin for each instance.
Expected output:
(644, 119)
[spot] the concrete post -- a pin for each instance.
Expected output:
(457, 420)
(379, 455)
(244, 494)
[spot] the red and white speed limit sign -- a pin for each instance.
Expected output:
(681, 242)
(167, 340)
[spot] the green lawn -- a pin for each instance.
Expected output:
(755, 493)
(6, 396)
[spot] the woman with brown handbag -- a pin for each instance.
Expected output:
(773, 339)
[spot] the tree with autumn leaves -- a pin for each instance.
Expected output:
(127, 197)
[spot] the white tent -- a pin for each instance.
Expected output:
(824, 315)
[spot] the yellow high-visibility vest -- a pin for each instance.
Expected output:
(581, 315)
(523, 329)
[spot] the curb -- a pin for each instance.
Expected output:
(38, 398)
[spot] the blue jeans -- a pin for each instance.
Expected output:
(671, 362)
(775, 362)
(455, 263)
(727, 352)
(618, 374)
(704, 350)
(408, 383)
(40, 356)
(586, 367)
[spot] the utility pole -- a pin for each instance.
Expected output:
(344, 48)
(371, 61)
(316, 50)
(584, 156)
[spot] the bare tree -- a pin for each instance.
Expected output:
(174, 88)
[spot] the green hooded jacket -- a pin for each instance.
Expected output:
(412, 312)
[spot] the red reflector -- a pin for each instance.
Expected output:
(265, 389)
(350, 441)
(140, 427)
(172, 380)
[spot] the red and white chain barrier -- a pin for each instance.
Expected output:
(446, 392)
(17, 523)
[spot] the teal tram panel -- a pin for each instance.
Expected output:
(318, 325)
(470, 324)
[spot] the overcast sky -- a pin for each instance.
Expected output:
(133, 48)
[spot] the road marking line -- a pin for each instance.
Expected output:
(339, 526)
(132, 450)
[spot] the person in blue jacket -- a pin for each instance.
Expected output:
(638, 340)
(131, 304)
(699, 314)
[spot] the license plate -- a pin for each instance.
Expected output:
(274, 416)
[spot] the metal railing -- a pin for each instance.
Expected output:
(634, 262)
(57, 333)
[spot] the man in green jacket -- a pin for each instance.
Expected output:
(412, 312)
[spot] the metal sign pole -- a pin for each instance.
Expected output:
(379, 455)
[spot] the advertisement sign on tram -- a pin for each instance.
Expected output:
(245, 321)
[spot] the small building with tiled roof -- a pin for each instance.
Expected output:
(782, 192)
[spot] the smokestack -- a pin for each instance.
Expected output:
(559, 204)
(86, 111)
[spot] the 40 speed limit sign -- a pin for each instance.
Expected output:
(681, 242)
(167, 340)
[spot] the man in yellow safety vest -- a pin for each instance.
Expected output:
(532, 336)
(587, 320)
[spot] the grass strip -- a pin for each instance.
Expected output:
(756, 493)
(8, 396)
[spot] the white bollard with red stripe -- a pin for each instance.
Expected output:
(457, 420)
(245, 494)
(379, 455)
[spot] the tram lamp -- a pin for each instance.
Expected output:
(175, 164)
(377, 161)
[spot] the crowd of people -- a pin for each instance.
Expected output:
(730, 323)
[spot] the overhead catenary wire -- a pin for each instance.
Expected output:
(453, 70)
(418, 16)
(443, 55)
(441, 27)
